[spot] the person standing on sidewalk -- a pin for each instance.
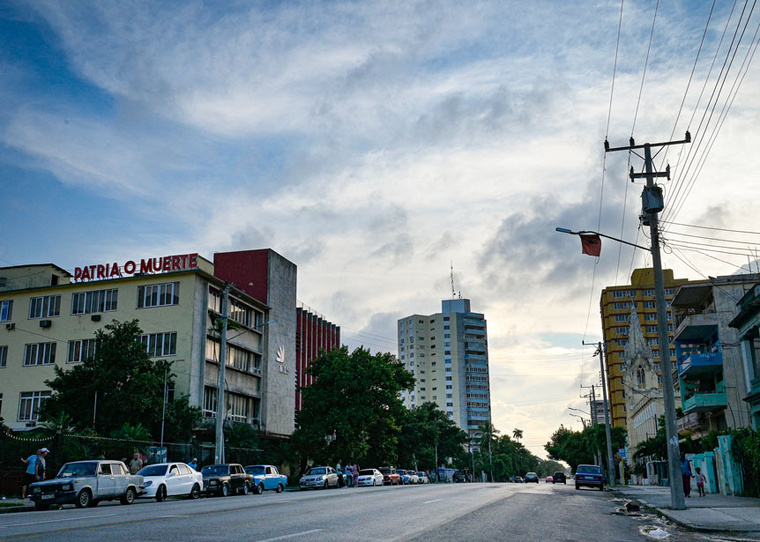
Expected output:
(686, 475)
(701, 479)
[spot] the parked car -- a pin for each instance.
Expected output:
(549, 480)
(406, 479)
(559, 477)
(590, 476)
(225, 479)
(319, 477)
(390, 476)
(423, 478)
(531, 477)
(518, 480)
(164, 480)
(86, 483)
(345, 477)
(370, 477)
(266, 478)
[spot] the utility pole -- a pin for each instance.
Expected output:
(221, 411)
(592, 411)
(653, 203)
(600, 350)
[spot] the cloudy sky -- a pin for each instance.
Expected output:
(378, 144)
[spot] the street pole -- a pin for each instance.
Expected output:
(651, 206)
(592, 411)
(220, 407)
(600, 351)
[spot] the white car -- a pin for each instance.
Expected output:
(164, 480)
(423, 478)
(370, 477)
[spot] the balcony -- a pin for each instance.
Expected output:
(698, 365)
(695, 327)
(705, 402)
(694, 421)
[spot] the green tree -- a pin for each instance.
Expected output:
(575, 448)
(119, 385)
(425, 427)
(355, 396)
(517, 434)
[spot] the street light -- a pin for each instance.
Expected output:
(581, 418)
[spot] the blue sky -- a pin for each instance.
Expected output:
(375, 144)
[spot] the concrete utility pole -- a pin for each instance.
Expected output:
(221, 410)
(600, 350)
(653, 203)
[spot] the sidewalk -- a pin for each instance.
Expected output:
(14, 504)
(712, 513)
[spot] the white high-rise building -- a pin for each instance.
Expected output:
(448, 354)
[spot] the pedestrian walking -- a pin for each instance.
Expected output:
(193, 464)
(686, 475)
(355, 474)
(701, 479)
(136, 464)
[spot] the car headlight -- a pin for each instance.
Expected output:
(67, 487)
(148, 483)
(37, 490)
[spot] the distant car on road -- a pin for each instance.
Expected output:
(164, 480)
(86, 483)
(549, 480)
(531, 477)
(319, 478)
(519, 480)
(266, 478)
(423, 478)
(590, 476)
(370, 477)
(390, 476)
(559, 477)
(226, 479)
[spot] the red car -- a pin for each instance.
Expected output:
(390, 476)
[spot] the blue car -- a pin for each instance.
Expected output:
(589, 476)
(266, 478)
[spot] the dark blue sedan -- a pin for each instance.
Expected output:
(589, 476)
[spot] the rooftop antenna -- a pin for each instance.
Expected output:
(453, 291)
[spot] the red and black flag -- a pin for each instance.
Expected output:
(591, 244)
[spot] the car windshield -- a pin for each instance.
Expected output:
(420, 474)
(317, 470)
(255, 470)
(153, 470)
(78, 469)
(385, 470)
(589, 469)
(366, 472)
(214, 470)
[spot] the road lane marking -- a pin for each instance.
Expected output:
(434, 500)
(294, 535)
(57, 521)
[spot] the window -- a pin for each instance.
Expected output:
(91, 302)
(45, 306)
(29, 405)
(158, 295)
(3, 356)
(622, 305)
(649, 304)
(649, 293)
(160, 344)
(6, 310)
(39, 354)
(210, 401)
(640, 378)
(621, 317)
(238, 407)
(80, 350)
(620, 293)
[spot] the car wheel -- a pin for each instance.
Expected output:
(161, 493)
(195, 493)
(129, 496)
(246, 488)
(577, 486)
(41, 506)
(601, 488)
(259, 489)
(225, 490)
(280, 488)
(83, 499)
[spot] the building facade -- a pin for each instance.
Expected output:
(711, 373)
(48, 318)
(747, 324)
(448, 354)
(615, 306)
(313, 335)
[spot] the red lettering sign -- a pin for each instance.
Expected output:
(147, 266)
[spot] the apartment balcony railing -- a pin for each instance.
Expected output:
(705, 402)
(700, 364)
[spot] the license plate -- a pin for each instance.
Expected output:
(44, 497)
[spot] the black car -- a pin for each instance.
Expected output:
(531, 477)
(225, 479)
(559, 477)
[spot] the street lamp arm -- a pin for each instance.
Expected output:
(586, 232)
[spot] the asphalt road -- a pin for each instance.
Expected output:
(451, 512)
